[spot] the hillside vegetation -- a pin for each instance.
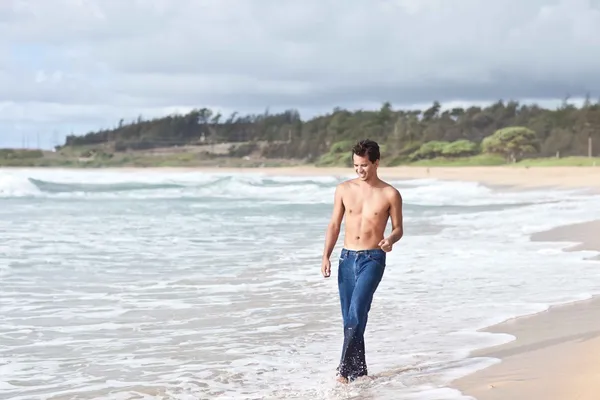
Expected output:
(503, 132)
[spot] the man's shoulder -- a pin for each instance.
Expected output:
(390, 190)
(346, 183)
(386, 185)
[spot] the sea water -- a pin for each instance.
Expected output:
(146, 284)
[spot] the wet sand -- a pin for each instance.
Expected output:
(556, 354)
(586, 234)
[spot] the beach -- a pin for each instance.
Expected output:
(586, 234)
(556, 353)
(167, 283)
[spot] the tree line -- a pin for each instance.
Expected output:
(504, 127)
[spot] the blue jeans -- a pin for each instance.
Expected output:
(359, 274)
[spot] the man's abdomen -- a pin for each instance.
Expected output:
(363, 234)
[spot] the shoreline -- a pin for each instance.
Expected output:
(580, 233)
(555, 353)
(519, 177)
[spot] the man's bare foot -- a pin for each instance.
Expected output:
(341, 379)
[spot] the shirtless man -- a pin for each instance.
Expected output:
(367, 202)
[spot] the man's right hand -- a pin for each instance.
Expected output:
(326, 267)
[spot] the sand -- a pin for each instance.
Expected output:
(556, 354)
(587, 234)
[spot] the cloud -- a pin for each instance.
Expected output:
(88, 63)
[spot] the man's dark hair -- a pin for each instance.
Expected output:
(367, 148)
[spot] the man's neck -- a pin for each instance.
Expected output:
(371, 182)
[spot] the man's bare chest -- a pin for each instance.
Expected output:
(371, 207)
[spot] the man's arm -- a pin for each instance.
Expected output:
(396, 216)
(335, 224)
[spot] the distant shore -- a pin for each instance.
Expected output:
(519, 177)
(222, 156)
(556, 353)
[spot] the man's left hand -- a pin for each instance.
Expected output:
(386, 245)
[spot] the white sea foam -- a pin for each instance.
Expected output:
(16, 186)
(182, 285)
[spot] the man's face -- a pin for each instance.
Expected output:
(363, 167)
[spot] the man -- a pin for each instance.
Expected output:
(367, 203)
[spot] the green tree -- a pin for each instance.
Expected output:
(428, 150)
(512, 142)
(460, 148)
(565, 130)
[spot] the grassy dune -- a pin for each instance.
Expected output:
(485, 159)
(78, 159)
(82, 158)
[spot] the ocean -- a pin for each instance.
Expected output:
(146, 284)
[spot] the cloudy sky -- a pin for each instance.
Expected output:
(78, 65)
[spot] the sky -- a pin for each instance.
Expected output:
(73, 66)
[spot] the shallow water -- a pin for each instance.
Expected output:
(173, 285)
